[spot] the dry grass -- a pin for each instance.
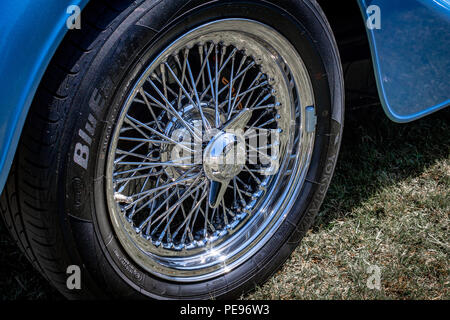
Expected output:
(388, 206)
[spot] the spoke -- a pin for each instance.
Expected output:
(135, 127)
(183, 77)
(264, 107)
(192, 216)
(155, 76)
(259, 152)
(131, 121)
(166, 216)
(222, 55)
(127, 129)
(208, 66)
(207, 222)
(191, 236)
(234, 191)
(179, 202)
(133, 171)
(225, 217)
(197, 207)
(203, 64)
(216, 91)
(153, 141)
(133, 212)
(258, 181)
(186, 222)
(257, 120)
(166, 229)
(267, 123)
(231, 110)
(230, 212)
(254, 82)
(136, 155)
(152, 208)
(116, 161)
(169, 108)
(248, 194)
(132, 178)
(204, 61)
(164, 83)
(246, 186)
(258, 102)
(199, 104)
(231, 56)
(160, 164)
(239, 192)
(155, 211)
(251, 65)
(230, 92)
(206, 215)
(122, 188)
(145, 194)
(247, 91)
(213, 215)
(147, 103)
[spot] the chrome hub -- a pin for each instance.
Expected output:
(224, 157)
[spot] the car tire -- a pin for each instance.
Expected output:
(56, 202)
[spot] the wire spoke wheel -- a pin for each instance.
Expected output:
(177, 215)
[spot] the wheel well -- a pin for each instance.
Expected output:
(350, 32)
(349, 29)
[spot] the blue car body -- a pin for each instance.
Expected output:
(410, 54)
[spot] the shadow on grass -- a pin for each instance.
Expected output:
(375, 153)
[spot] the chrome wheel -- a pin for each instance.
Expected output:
(179, 210)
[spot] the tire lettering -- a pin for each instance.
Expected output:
(81, 155)
(85, 137)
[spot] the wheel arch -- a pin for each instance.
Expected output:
(406, 51)
(42, 33)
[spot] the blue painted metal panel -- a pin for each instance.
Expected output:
(30, 32)
(411, 55)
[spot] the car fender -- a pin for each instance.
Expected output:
(410, 50)
(31, 31)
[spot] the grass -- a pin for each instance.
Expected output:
(388, 206)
